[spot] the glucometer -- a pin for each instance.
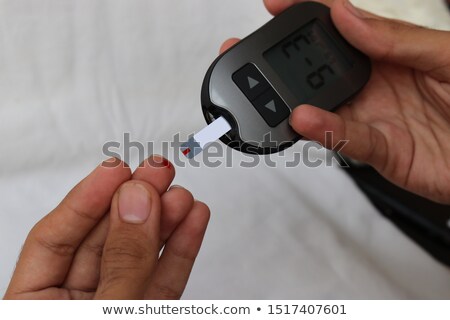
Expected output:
(297, 58)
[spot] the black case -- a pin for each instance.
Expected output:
(424, 221)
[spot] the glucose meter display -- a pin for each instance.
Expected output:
(308, 60)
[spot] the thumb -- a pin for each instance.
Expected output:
(357, 140)
(131, 249)
(391, 40)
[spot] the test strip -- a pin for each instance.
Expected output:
(201, 139)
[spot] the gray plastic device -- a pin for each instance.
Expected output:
(297, 58)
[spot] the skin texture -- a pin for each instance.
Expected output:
(400, 122)
(84, 249)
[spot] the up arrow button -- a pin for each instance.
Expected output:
(252, 82)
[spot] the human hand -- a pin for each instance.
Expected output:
(400, 122)
(103, 240)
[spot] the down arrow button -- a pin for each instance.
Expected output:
(272, 108)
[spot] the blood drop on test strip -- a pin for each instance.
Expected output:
(201, 139)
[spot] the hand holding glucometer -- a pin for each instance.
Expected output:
(281, 82)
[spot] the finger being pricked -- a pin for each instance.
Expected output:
(157, 171)
(49, 250)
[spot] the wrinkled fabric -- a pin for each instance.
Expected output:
(77, 74)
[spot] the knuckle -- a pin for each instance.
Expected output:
(58, 248)
(127, 252)
(110, 279)
(122, 264)
(96, 249)
(182, 254)
(387, 50)
(84, 215)
(165, 292)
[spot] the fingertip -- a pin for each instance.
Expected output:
(175, 206)
(275, 7)
(203, 207)
(157, 171)
(341, 16)
(114, 162)
(111, 172)
(115, 168)
(352, 23)
(135, 203)
(95, 192)
(202, 214)
(157, 161)
(151, 191)
(175, 201)
(182, 194)
(313, 123)
(306, 119)
(228, 44)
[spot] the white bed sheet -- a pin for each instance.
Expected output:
(75, 74)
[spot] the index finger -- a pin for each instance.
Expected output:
(49, 249)
(275, 7)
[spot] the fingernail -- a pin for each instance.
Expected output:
(176, 186)
(291, 116)
(134, 204)
(353, 10)
(113, 163)
(159, 162)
